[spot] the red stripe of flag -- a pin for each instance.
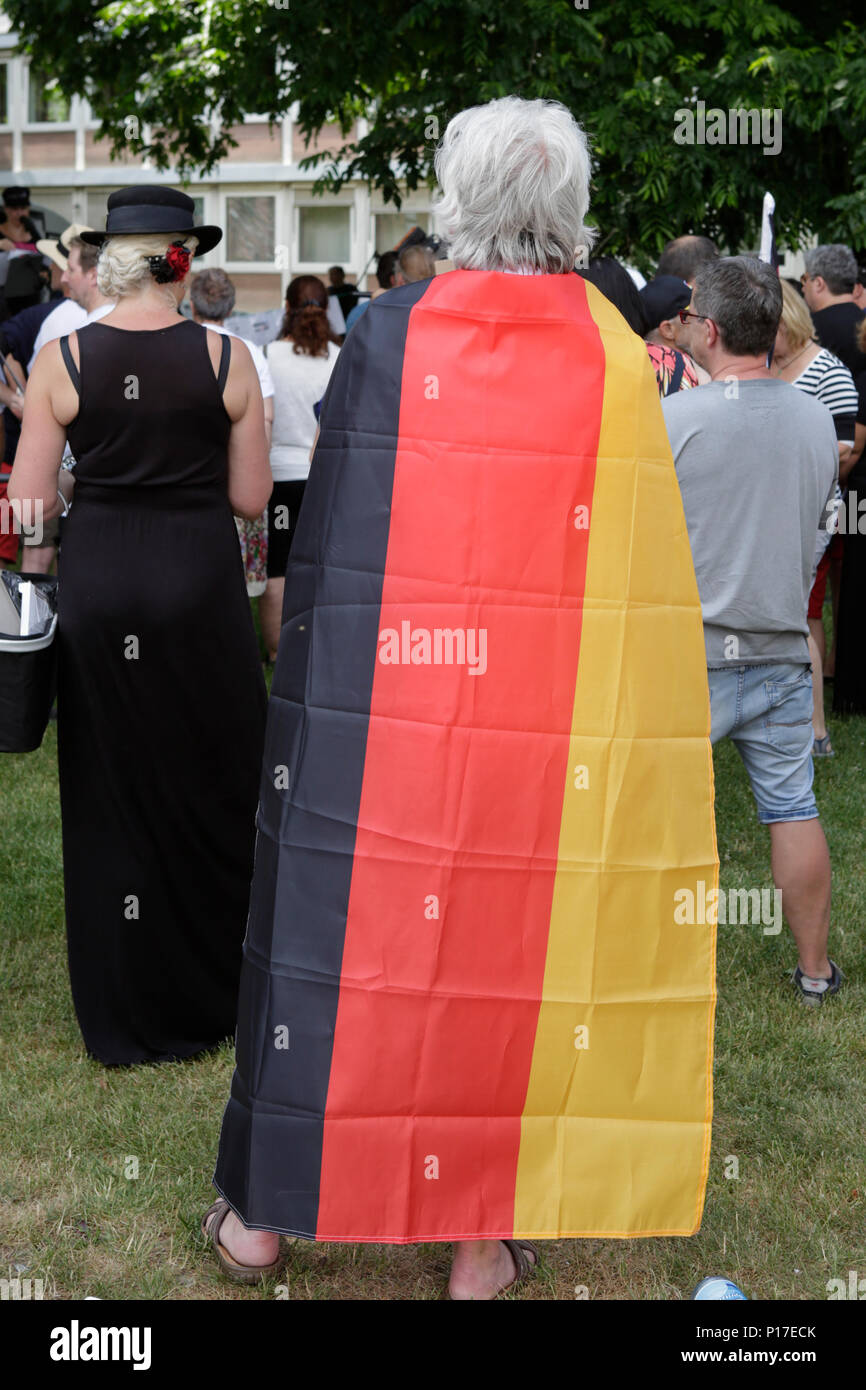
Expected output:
(461, 800)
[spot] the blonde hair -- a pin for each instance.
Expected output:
(122, 267)
(796, 319)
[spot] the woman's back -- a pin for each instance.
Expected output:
(300, 380)
(156, 649)
(151, 411)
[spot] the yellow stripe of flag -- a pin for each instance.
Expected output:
(615, 1132)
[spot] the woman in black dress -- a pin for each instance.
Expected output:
(161, 700)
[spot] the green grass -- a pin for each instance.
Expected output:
(790, 1087)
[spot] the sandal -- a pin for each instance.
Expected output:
(520, 1250)
(822, 748)
(240, 1274)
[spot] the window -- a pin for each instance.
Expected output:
(250, 228)
(45, 101)
(199, 212)
(4, 93)
(391, 227)
(324, 234)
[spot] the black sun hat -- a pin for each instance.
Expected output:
(148, 209)
(16, 196)
(663, 297)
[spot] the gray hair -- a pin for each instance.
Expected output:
(743, 297)
(836, 264)
(514, 179)
(212, 294)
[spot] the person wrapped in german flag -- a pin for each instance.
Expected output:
(467, 1010)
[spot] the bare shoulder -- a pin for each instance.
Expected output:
(240, 359)
(49, 360)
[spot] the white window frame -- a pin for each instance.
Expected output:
(7, 126)
(304, 198)
(411, 210)
(269, 267)
(29, 127)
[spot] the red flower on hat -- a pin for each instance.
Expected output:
(178, 257)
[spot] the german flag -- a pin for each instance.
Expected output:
(467, 1008)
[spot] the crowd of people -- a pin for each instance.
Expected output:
(170, 460)
(819, 349)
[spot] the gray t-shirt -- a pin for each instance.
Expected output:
(757, 463)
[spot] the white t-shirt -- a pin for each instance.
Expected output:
(261, 362)
(299, 382)
(68, 317)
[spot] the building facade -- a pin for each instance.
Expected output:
(274, 225)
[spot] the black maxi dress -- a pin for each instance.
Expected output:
(161, 700)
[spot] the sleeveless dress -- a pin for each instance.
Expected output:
(161, 700)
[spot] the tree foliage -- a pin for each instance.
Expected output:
(189, 69)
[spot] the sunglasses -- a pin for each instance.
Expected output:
(684, 315)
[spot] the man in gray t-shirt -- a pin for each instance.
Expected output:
(757, 462)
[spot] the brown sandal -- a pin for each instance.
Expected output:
(520, 1250)
(241, 1274)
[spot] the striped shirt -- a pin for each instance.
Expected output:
(830, 380)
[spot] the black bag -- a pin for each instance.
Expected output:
(28, 665)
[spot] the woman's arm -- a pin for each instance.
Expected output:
(12, 389)
(846, 464)
(250, 481)
(50, 394)
(13, 398)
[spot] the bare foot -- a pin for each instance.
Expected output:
(247, 1247)
(481, 1270)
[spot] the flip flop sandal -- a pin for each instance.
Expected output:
(520, 1250)
(240, 1274)
(822, 748)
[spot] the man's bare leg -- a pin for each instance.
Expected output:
(247, 1247)
(481, 1270)
(270, 615)
(801, 870)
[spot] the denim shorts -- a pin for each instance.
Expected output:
(767, 712)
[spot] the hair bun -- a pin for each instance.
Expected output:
(172, 265)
